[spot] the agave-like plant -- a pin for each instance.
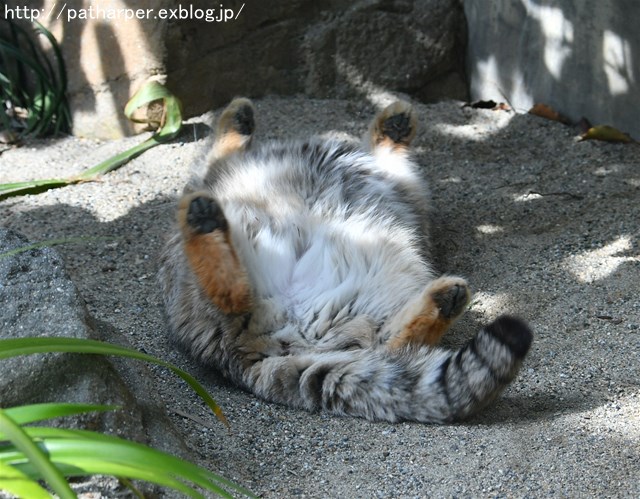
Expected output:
(29, 454)
(33, 92)
(169, 127)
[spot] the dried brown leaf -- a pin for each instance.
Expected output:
(545, 111)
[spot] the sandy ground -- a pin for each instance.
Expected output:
(542, 226)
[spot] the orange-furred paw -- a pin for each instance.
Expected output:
(211, 255)
(441, 304)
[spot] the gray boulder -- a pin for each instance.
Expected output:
(37, 298)
(321, 49)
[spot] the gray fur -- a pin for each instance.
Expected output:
(333, 239)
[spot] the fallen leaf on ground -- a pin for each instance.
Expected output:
(606, 133)
(549, 113)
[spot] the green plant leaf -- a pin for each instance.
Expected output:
(31, 187)
(55, 242)
(59, 104)
(83, 453)
(42, 93)
(28, 346)
(32, 413)
(114, 162)
(36, 456)
(17, 483)
(172, 113)
(78, 453)
(170, 128)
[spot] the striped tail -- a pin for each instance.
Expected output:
(425, 384)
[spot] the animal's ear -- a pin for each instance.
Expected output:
(394, 127)
(234, 129)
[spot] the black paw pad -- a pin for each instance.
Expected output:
(452, 301)
(243, 120)
(204, 215)
(397, 127)
(513, 333)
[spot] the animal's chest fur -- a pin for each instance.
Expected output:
(319, 245)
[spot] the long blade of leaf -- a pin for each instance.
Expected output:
(31, 187)
(48, 109)
(77, 447)
(116, 161)
(55, 242)
(28, 346)
(59, 102)
(37, 458)
(19, 484)
(27, 61)
(32, 413)
(152, 91)
(95, 466)
(171, 127)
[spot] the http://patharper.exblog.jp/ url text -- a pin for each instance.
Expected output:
(61, 11)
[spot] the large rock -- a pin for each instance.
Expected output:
(330, 49)
(37, 298)
(579, 56)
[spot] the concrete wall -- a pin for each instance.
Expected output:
(582, 57)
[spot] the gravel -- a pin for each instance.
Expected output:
(542, 225)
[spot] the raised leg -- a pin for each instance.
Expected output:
(211, 254)
(393, 128)
(234, 129)
(425, 321)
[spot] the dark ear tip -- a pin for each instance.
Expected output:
(512, 332)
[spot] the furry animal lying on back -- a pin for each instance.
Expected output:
(300, 270)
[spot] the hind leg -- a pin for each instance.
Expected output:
(425, 321)
(234, 129)
(211, 255)
(393, 128)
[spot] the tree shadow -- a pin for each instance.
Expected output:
(579, 58)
